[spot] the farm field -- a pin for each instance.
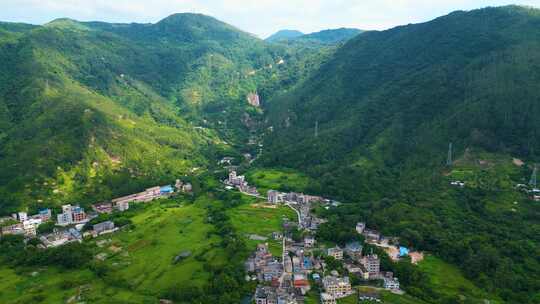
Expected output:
(254, 218)
(284, 180)
(137, 264)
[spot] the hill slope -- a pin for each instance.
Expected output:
(373, 126)
(331, 36)
(90, 110)
(284, 35)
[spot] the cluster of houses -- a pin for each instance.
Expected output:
(286, 281)
(530, 190)
(72, 219)
(239, 182)
(25, 224)
(301, 203)
(388, 244)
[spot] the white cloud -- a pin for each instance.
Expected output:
(261, 17)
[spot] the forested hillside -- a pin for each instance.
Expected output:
(91, 110)
(374, 123)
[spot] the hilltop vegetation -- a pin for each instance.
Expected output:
(386, 106)
(92, 110)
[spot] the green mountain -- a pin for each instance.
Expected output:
(90, 110)
(284, 35)
(374, 123)
(331, 36)
(324, 37)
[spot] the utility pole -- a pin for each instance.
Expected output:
(449, 159)
(532, 181)
(316, 129)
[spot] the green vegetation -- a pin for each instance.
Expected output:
(137, 264)
(280, 179)
(448, 281)
(256, 218)
(387, 104)
(91, 110)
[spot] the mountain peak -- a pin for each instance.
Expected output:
(284, 35)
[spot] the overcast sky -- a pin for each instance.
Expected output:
(261, 17)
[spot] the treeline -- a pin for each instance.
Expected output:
(14, 252)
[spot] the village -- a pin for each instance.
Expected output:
(304, 264)
(71, 222)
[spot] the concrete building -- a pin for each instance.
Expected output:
(45, 214)
(372, 264)
(309, 241)
(23, 216)
(337, 286)
(360, 227)
(71, 215)
(391, 283)
(327, 298)
(265, 295)
(335, 252)
(274, 197)
(187, 188)
(122, 206)
(236, 180)
(354, 250)
(103, 227)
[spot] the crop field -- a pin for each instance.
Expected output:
(284, 180)
(259, 220)
(137, 263)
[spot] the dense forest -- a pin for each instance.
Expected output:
(374, 123)
(92, 110)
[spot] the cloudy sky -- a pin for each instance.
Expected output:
(261, 17)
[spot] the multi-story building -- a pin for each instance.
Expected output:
(265, 295)
(309, 241)
(337, 286)
(71, 215)
(78, 215)
(236, 180)
(354, 250)
(335, 252)
(13, 229)
(23, 216)
(64, 219)
(372, 264)
(391, 283)
(45, 214)
(327, 298)
(103, 227)
(122, 206)
(274, 197)
(272, 270)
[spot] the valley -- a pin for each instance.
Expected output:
(302, 168)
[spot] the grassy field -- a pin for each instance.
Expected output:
(284, 180)
(254, 218)
(145, 260)
(139, 262)
(449, 281)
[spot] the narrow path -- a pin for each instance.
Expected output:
(297, 213)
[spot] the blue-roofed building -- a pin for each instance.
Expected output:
(403, 251)
(307, 263)
(166, 189)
